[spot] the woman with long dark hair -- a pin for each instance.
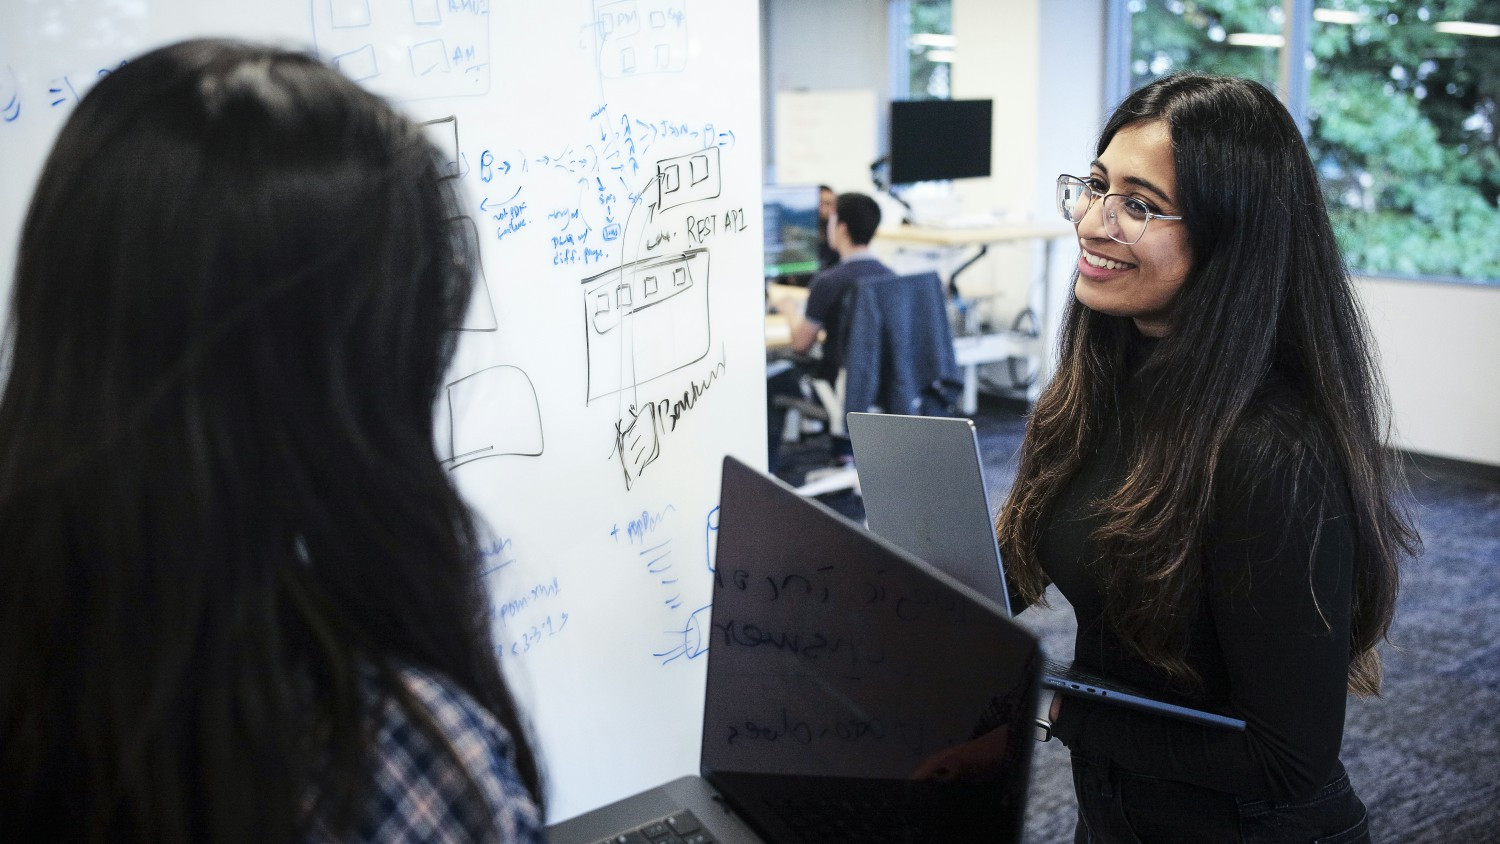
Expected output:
(1204, 478)
(239, 598)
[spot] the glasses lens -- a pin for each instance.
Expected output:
(1072, 198)
(1125, 218)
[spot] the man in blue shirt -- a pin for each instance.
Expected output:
(851, 227)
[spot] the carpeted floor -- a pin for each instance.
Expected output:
(1425, 755)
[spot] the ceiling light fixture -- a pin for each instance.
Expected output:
(933, 39)
(1341, 16)
(1482, 30)
(1256, 39)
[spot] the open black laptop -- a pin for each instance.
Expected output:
(923, 486)
(854, 694)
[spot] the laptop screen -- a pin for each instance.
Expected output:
(840, 667)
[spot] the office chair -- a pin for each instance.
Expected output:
(897, 358)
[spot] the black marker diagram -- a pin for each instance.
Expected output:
(492, 413)
(407, 49)
(687, 178)
(650, 317)
(645, 319)
(640, 36)
(443, 133)
(481, 315)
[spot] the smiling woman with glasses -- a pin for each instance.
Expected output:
(1204, 478)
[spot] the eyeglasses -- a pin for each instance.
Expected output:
(1125, 217)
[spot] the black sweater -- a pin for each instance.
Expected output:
(1269, 632)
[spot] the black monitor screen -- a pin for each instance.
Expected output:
(791, 220)
(934, 140)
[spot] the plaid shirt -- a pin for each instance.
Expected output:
(421, 795)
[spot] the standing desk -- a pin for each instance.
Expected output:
(975, 349)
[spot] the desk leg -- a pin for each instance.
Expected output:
(968, 404)
(1045, 363)
(984, 249)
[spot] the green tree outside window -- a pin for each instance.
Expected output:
(1401, 111)
(931, 46)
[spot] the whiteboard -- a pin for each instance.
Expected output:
(826, 138)
(609, 152)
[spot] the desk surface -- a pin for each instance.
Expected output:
(973, 235)
(778, 332)
(776, 293)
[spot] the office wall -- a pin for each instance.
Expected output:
(824, 45)
(1437, 345)
(998, 47)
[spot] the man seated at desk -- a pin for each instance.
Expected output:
(851, 227)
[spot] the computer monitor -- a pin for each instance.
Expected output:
(934, 140)
(791, 223)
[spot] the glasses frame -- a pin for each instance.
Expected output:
(1095, 196)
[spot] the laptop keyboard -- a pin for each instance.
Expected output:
(677, 828)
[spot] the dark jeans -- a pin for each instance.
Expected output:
(1119, 807)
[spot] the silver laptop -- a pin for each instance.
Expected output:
(923, 486)
(854, 693)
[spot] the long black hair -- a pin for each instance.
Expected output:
(220, 509)
(1267, 292)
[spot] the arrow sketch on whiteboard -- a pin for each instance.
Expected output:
(413, 50)
(481, 315)
(492, 413)
(637, 37)
(694, 638)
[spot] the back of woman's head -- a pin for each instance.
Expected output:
(246, 227)
(235, 300)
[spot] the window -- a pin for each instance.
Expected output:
(922, 48)
(1168, 35)
(1400, 103)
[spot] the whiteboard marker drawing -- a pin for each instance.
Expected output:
(711, 539)
(644, 320)
(492, 413)
(10, 94)
(693, 638)
(443, 133)
(481, 315)
(638, 37)
(687, 178)
(415, 50)
(638, 441)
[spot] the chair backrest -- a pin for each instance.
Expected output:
(898, 347)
